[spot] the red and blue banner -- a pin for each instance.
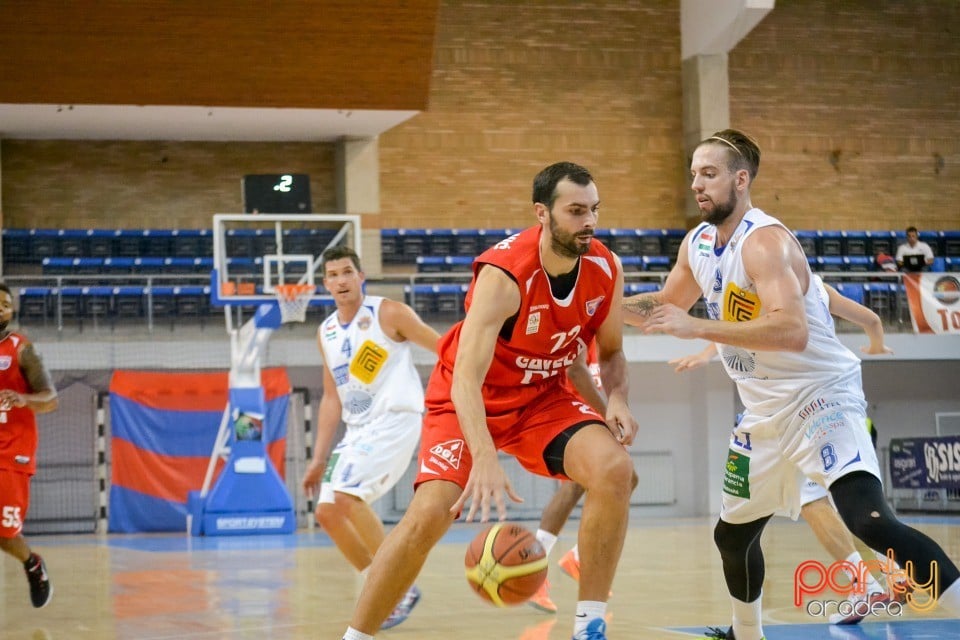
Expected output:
(163, 430)
(925, 463)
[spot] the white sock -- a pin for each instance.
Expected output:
(546, 539)
(872, 585)
(950, 598)
(353, 634)
(747, 624)
(588, 610)
(576, 552)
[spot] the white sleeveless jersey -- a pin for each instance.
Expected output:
(768, 381)
(374, 374)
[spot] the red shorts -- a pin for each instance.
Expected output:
(14, 500)
(522, 420)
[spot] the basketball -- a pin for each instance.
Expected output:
(505, 564)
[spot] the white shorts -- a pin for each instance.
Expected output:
(810, 491)
(822, 438)
(371, 459)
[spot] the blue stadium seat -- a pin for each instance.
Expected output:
(808, 241)
(652, 242)
(466, 242)
(16, 245)
(655, 263)
(633, 288)
(625, 242)
(830, 263)
(858, 263)
(443, 299)
(830, 243)
(883, 241)
(631, 263)
(951, 244)
(855, 243)
(939, 264)
(128, 243)
(851, 290)
(34, 303)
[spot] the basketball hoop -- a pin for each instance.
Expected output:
(293, 300)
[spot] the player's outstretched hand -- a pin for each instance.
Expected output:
(672, 320)
(487, 482)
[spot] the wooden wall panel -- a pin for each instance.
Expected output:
(856, 105)
(375, 54)
(517, 85)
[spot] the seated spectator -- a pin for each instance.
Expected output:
(914, 247)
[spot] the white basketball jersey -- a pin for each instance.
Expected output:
(768, 381)
(374, 374)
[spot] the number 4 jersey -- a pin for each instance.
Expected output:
(374, 374)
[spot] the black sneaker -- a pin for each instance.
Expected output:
(40, 588)
(720, 633)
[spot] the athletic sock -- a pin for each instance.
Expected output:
(747, 624)
(353, 634)
(872, 585)
(546, 539)
(588, 610)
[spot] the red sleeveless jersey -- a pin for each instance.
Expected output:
(18, 425)
(548, 333)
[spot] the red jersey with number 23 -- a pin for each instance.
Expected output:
(548, 333)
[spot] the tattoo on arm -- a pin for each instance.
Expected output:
(642, 305)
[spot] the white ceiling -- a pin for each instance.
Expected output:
(110, 122)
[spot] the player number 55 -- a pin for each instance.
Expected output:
(11, 517)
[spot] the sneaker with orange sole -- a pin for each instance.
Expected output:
(541, 599)
(570, 565)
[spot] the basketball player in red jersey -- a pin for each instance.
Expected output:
(536, 301)
(25, 389)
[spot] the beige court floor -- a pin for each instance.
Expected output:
(164, 586)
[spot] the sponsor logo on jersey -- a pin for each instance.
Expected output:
(537, 369)
(446, 455)
(341, 374)
(364, 323)
(22, 459)
(717, 282)
(533, 323)
(740, 305)
(5, 362)
(593, 305)
(820, 404)
(738, 360)
(368, 361)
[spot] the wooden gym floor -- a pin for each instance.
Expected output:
(153, 587)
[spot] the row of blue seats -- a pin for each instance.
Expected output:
(447, 299)
(406, 245)
(866, 263)
(464, 264)
(112, 302)
(32, 245)
(149, 265)
(870, 243)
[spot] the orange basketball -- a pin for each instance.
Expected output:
(505, 564)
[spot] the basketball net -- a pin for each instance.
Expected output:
(293, 300)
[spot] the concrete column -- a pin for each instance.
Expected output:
(706, 109)
(358, 191)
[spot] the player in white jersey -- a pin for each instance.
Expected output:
(369, 382)
(815, 506)
(805, 411)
